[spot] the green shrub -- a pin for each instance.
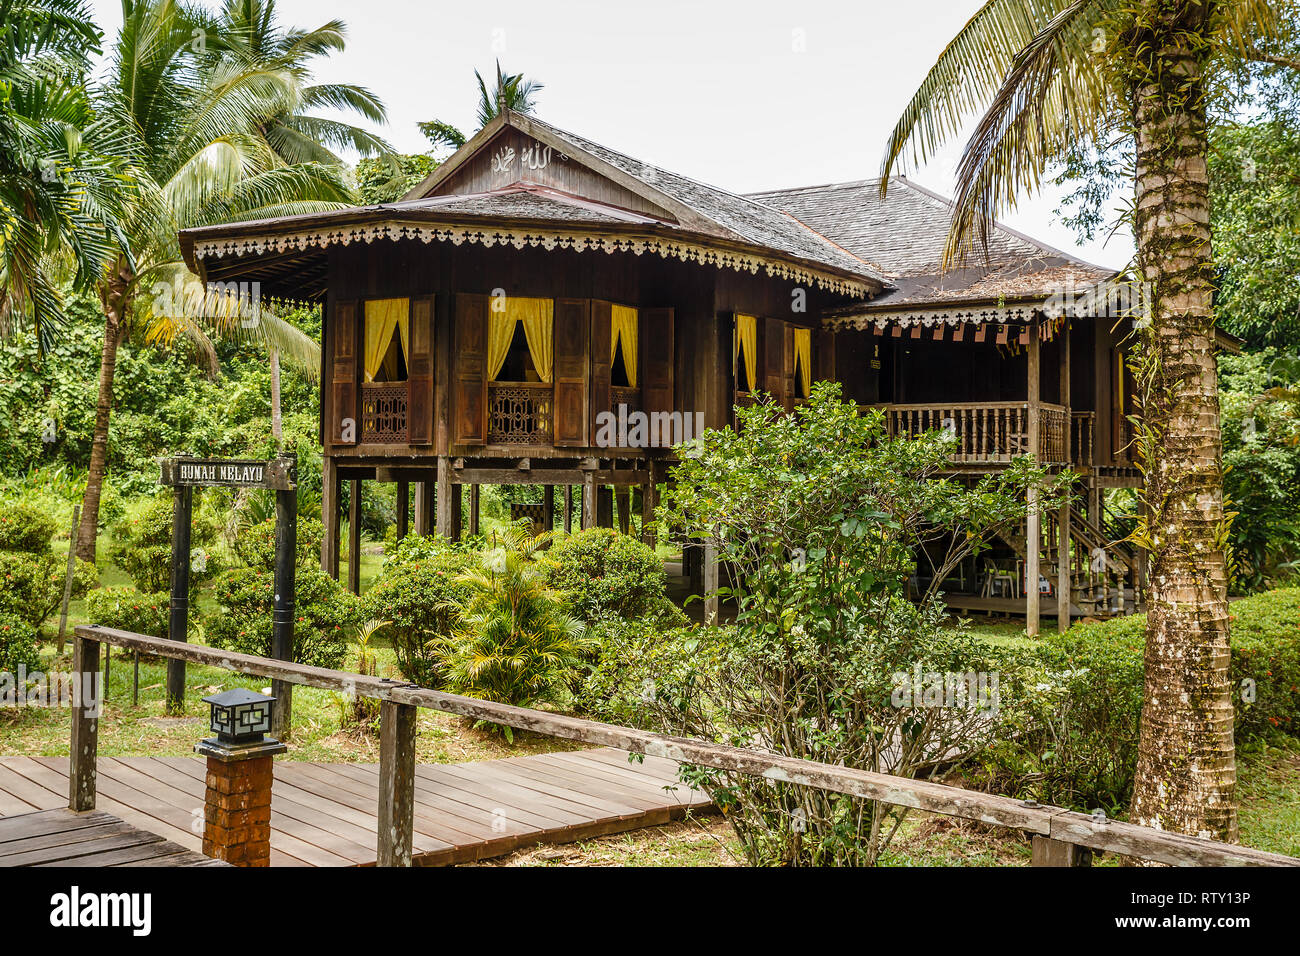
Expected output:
(25, 528)
(143, 546)
(17, 645)
(31, 585)
(604, 573)
(515, 642)
(633, 663)
(1075, 707)
(418, 595)
(325, 611)
(255, 544)
(130, 610)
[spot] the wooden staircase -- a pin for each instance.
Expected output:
(1104, 584)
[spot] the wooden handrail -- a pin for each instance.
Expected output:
(398, 732)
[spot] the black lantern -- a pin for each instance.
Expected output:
(240, 717)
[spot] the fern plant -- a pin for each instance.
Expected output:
(515, 642)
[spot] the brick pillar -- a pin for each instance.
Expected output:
(237, 811)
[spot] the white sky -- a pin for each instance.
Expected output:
(715, 89)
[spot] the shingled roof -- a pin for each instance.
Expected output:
(734, 216)
(904, 233)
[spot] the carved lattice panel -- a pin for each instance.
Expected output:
(520, 414)
(383, 412)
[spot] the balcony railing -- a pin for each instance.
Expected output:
(631, 397)
(988, 431)
(383, 412)
(1081, 437)
(520, 413)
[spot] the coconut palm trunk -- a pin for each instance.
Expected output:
(1186, 773)
(277, 418)
(115, 296)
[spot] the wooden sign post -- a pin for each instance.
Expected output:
(184, 473)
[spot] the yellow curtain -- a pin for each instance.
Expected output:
(537, 315)
(747, 344)
(623, 325)
(383, 317)
(803, 357)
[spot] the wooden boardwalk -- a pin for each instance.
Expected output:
(325, 814)
(63, 838)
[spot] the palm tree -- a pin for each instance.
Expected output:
(512, 91)
(249, 32)
(1043, 76)
(198, 155)
(60, 189)
(516, 642)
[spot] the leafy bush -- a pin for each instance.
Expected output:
(255, 543)
(31, 585)
(242, 621)
(25, 528)
(130, 610)
(825, 517)
(143, 546)
(604, 573)
(418, 594)
(1075, 710)
(633, 663)
(515, 643)
(17, 645)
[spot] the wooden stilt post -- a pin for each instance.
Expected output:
(443, 500)
(329, 516)
(604, 506)
(424, 510)
(648, 512)
(474, 501)
(403, 508)
(568, 509)
(354, 536)
(1063, 576)
(420, 512)
(623, 497)
(1033, 529)
(457, 511)
(548, 508)
(710, 582)
(588, 501)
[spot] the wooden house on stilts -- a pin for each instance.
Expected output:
(484, 329)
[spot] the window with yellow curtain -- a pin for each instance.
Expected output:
(388, 332)
(803, 362)
(520, 346)
(746, 352)
(623, 338)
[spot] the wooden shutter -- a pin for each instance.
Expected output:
(601, 400)
(655, 329)
(823, 358)
(419, 405)
(469, 369)
(773, 370)
(572, 331)
(344, 377)
(788, 362)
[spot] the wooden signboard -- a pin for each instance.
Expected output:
(278, 474)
